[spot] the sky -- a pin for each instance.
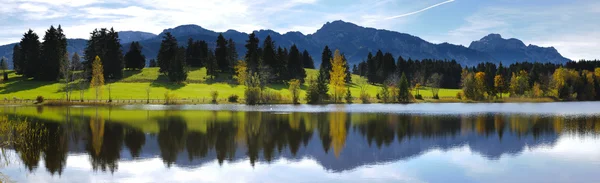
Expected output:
(572, 27)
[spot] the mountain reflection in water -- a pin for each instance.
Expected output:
(338, 141)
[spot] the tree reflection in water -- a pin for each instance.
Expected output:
(192, 138)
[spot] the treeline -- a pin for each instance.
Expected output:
(572, 81)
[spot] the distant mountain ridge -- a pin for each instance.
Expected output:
(353, 40)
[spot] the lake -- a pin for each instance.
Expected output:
(548, 142)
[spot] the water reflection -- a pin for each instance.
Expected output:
(338, 141)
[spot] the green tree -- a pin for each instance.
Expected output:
(52, 54)
(348, 96)
(153, 63)
(211, 65)
(403, 89)
(105, 44)
(252, 54)
(76, 62)
(326, 58)
(322, 85)
(134, 59)
(338, 76)
(221, 54)
(178, 71)
(232, 55)
(307, 60)
(4, 67)
(295, 90)
(16, 58)
(294, 66)
(30, 54)
(167, 52)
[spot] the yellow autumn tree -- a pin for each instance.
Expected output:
(479, 86)
(97, 77)
(499, 84)
(241, 72)
(337, 75)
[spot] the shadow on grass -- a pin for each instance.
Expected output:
(163, 81)
(17, 84)
(129, 73)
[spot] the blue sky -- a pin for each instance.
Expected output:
(573, 26)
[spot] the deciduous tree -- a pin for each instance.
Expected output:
(337, 78)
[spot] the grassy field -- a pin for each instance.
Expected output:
(135, 83)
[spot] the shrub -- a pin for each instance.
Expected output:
(419, 97)
(271, 97)
(252, 95)
(348, 96)
(170, 98)
(436, 96)
(295, 90)
(364, 97)
(5, 76)
(39, 99)
(214, 95)
(459, 95)
(233, 98)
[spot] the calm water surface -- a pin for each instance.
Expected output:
(553, 142)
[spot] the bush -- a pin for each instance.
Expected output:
(170, 98)
(214, 95)
(349, 96)
(271, 97)
(252, 95)
(436, 96)
(459, 95)
(233, 98)
(39, 99)
(419, 97)
(364, 97)
(5, 76)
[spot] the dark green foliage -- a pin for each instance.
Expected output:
(232, 55)
(30, 54)
(307, 60)
(17, 61)
(221, 54)
(52, 54)
(39, 99)
(348, 96)
(196, 53)
(281, 64)
(322, 85)
(153, 63)
(252, 53)
(168, 51)
(233, 98)
(178, 70)
(211, 65)
(403, 89)
(294, 66)
(348, 77)
(326, 58)
(134, 59)
(4, 67)
(105, 44)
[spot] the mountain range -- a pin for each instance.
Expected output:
(352, 40)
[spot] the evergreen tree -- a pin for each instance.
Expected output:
(269, 57)
(403, 89)
(4, 67)
(30, 54)
(211, 65)
(221, 54)
(52, 55)
(134, 59)
(153, 63)
(294, 67)
(105, 44)
(76, 62)
(232, 55)
(16, 58)
(371, 69)
(252, 53)
(348, 77)
(307, 60)
(167, 52)
(178, 70)
(326, 58)
(195, 53)
(322, 85)
(281, 64)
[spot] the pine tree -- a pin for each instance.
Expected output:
(17, 62)
(232, 55)
(167, 52)
(134, 59)
(322, 85)
(371, 69)
(51, 54)
(252, 53)
(211, 65)
(97, 81)
(105, 44)
(153, 63)
(30, 54)
(178, 70)
(221, 54)
(337, 75)
(307, 60)
(281, 65)
(294, 67)
(326, 58)
(403, 89)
